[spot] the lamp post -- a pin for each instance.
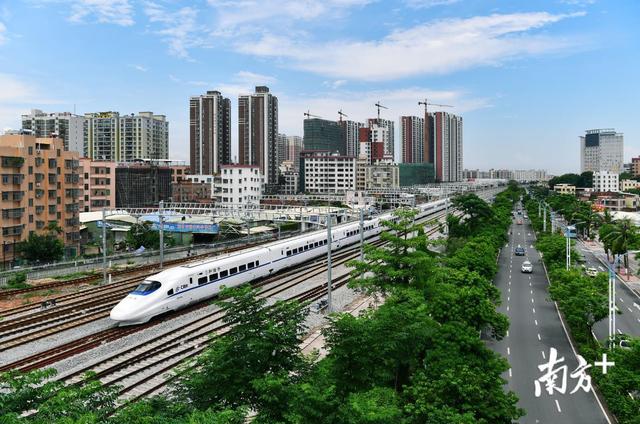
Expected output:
(104, 246)
(160, 218)
(612, 301)
(569, 234)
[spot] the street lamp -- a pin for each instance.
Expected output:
(612, 300)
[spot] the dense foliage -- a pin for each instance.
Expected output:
(583, 180)
(47, 247)
(143, 234)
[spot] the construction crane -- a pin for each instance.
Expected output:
(426, 103)
(342, 114)
(308, 115)
(378, 105)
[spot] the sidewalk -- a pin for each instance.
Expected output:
(632, 280)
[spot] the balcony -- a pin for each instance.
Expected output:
(15, 179)
(12, 231)
(11, 161)
(12, 213)
(72, 207)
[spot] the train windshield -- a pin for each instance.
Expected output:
(147, 287)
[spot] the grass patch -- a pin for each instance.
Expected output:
(73, 276)
(17, 281)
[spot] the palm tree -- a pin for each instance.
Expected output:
(589, 218)
(623, 234)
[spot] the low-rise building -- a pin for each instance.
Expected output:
(411, 174)
(565, 189)
(323, 172)
(605, 181)
(238, 184)
(99, 184)
(142, 184)
(41, 186)
(381, 175)
(629, 184)
(289, 177)
(188, 191)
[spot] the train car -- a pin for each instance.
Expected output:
(180, 286)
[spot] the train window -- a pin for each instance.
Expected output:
(250, 265)
(146, 287)
(257, 263)
(224, 273)
(233, 270)
(288, 252)
(202, 280)
(242, 268)
(213, 277)
(170, 292)
(295, 251)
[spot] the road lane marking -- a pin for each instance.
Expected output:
(558, 405)
(510, 373)
(509, 290)
(600, 268)
(508, 351)
(507, 308)
(529, 283)
(619, 332)
(532, 300)
(507, 333)
(635, 305)
(630, 310)
(622, 300)
(539, 338)
(543, 355)
(534, 310)
(531, 291)
(536, 321)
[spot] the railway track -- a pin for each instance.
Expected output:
(140, 370)
(294, 277)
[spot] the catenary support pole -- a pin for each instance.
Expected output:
(362, 234)
(104, 246)
(161, 219)
(329, 281)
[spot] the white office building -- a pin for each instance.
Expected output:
(602, 150)
(323, 172)
(238, 185)
(605, 181)
(65, 125)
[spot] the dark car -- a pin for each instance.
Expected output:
(519, 251)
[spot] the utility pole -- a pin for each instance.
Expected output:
(104, 246)
(329, 281)
(544, 220)
(161, 205)
(362, 234)
(612, 303)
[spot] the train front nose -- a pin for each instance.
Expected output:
(129, 310)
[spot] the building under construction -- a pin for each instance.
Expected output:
(144, 183)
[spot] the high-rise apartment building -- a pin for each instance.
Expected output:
(209, 133)
(412, 139)
(289, 148)
(602, 150)
(447, 145)
(322, 134)
(258, 132)
(41, 186)
(125, 138)
(387, 129)
(65, 125)
(350, 136)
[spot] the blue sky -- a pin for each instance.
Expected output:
(527, 76)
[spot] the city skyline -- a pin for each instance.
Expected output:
(521, 66)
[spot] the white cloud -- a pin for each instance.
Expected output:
(432, 48)
(139, 67)
(254, 78)
(3, 30)
(118, 12)
(180, 29)
(240, 16)
(424, 4)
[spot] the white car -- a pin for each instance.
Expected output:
(591, 272)
(527, 267)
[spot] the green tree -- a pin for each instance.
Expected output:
(253, 364)
(402, 262)
(143, 234)
(43, 248)
(622, 236)
(474, 209)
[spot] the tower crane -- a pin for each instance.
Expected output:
(308, 115)
(342, 114)
(378, 105)
(426, 104)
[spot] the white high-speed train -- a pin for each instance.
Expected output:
(183, 285)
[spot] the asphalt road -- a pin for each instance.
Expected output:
(535, 328)
(627, 301)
